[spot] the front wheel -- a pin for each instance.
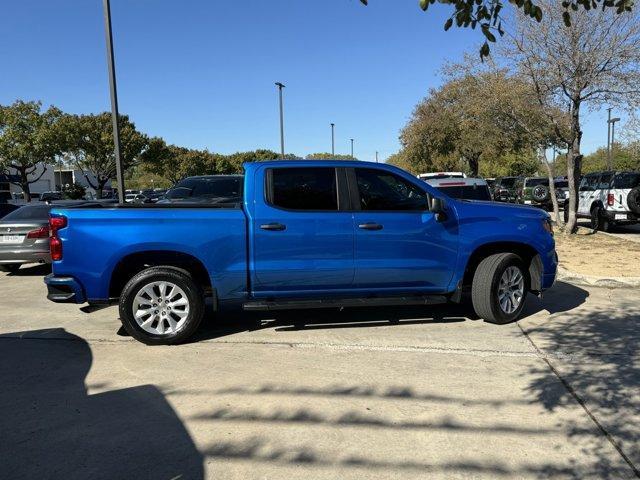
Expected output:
(500, 285)
(161, 306)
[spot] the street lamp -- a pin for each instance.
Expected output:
(333, 140)
(376, 156)
(114, 98)
(611, 126)
(352, 149)
(280, 87)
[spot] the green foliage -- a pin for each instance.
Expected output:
(328, 156)
(89, 145)
(487, 15)
(75, 191)
(28, 137)
(623, 157)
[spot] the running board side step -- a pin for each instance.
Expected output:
(294, 304)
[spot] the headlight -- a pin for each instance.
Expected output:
(546, 224)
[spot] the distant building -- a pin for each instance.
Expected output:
(53, 179)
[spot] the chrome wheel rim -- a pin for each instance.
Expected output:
(160, 308)
(511, 290)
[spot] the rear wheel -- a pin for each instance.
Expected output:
(599, 220)
(500, 285)
(161, 306)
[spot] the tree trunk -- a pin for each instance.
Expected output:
(24, 184)
(552, 187)
(473, 165)
(574, 166)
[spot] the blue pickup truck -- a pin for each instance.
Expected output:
(295, 235)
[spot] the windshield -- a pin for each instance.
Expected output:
(626, 180)
(38, 212)
(467, 192)
(225, 189)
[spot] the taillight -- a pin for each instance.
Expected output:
(55, 244)
(42, 232)
(610, 199)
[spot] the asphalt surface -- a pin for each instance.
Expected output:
(407, 393)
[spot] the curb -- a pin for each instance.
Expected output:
(565, 275)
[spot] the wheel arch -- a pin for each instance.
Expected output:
(526, 252)
(134, 263)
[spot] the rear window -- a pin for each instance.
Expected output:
(626, 180)
(532, 182)
(467, 192)
(38, 212)
(208, 189)
(561, 184)
(304, 188)
(508, 182)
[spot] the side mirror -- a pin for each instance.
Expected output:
(438, 208)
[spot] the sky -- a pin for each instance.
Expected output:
(201, 73)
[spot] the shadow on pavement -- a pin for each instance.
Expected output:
(32, 270)
(51, 427)
(595, 356)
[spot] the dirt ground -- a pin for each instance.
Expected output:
(598, 255)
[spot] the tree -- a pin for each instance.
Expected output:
(487, 14)
(593, 62)
(476, 115)
(175, 163)
(89, 144)
(28, 139)
(328, 156)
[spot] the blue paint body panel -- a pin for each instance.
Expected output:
(319, 254)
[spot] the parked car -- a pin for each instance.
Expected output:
(224, 189)
(24, 234)
(6, 208)
(535, 191)
(463, 188)
(49, 196)
(306, 234)
(609, 198)
(505, 189)
(427, 176)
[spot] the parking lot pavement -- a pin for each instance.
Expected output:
(628, 232)
(360, 393)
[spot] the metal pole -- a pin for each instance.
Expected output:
(280, 87)
(333, 142)
(352, 149)
(613, 134)
(376, 156)
(609, 140)
(114, 99)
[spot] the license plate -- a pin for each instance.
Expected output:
(621, 216)
(527, 202)
(11, 238)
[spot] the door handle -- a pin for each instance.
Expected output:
(273, 226)
(370, 226)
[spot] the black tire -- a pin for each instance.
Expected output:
(10, 267)
(485, 287)
(179, 278)
(599, 220)
(540, 193)
(633, 200)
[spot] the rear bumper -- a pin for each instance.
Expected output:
(621, 216)
(24, 255)
(64, 289)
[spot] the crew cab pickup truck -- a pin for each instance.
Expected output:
(305, 234)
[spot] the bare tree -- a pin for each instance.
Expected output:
(595, 61)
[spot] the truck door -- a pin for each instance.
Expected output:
(302, 237)
(399, 245)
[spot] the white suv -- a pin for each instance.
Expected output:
(609, 198)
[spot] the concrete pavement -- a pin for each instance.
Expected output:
(361, 393)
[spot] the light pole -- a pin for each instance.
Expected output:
(376, 156)
(609, 138)
(113, 89)
(612, 123)
(333, 140)
(352, 149)
(280, 87)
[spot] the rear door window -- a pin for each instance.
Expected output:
(306, 188)
(605, 181)
(589, 183)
